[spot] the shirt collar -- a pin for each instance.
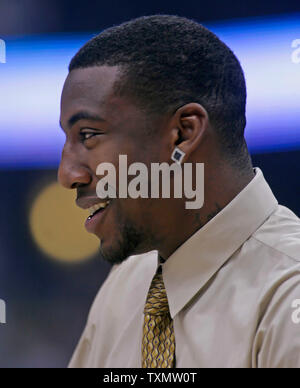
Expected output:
(191, 266)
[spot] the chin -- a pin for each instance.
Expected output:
(112, 256)
(125, 242)
(113, 251)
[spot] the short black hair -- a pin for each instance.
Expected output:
(169, 61)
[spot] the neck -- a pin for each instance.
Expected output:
(220, 188)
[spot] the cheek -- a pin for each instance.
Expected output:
(99, 155)
(127, 211)
(139, 211)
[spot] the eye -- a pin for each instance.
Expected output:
(86, 134)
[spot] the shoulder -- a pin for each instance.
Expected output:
(280, 234)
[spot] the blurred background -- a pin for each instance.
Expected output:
(50, 268)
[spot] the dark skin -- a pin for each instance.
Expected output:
(118, 126)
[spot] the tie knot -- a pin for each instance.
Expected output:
(157, 301)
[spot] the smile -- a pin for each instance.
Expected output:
(97, 214)
(96, 208)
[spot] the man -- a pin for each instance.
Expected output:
(217, 286)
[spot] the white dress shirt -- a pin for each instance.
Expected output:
(233, 289)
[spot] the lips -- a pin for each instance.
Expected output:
(87, 202)
(97, 214)
(98, 207)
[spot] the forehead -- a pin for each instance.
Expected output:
(89, 87)
(92, 90)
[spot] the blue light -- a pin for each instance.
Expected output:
(31, 81)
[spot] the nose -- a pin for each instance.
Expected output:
(72, 173)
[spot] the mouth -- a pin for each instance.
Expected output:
(96, 213)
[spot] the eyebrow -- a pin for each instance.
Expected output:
(83, 115)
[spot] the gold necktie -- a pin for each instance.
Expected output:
(158, 345)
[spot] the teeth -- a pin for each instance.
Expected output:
(94, 208)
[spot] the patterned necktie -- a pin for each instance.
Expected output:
(158, 344)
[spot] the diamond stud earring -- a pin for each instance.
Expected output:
(177, 155)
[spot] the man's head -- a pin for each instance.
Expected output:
(141, 89)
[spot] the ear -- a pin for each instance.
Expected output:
(190, 126)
